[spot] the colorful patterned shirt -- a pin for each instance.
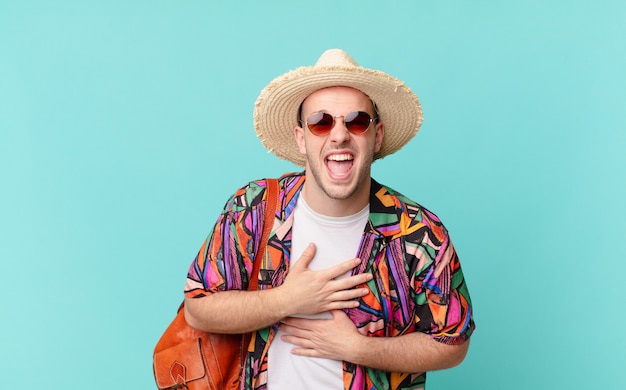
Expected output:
(418, 285)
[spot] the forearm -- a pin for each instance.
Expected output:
(304, 291)
(235, 311)
(415, 352)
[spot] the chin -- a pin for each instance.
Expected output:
(339, 195)
(340, 191)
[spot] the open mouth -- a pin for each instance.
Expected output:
(339, 165)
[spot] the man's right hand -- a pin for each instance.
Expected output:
(303, 292)
(310, 292)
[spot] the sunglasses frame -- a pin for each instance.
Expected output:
(346, 124)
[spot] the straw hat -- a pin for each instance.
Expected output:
(276, 108)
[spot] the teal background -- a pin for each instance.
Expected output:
(125, 125)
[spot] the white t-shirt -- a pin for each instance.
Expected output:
(336, 239)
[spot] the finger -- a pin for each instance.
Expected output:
(351, 281)
(342, 268)
(343, 305)
(294, 322)
(298, 342)
(288, 330)
(301, 322)
(340, 316)
(308, 352)
(305, 259)
(349, 295)
(294, 334)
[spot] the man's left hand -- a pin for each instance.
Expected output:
(326, 338)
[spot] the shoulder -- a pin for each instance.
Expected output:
(251, 194)
(391, 207)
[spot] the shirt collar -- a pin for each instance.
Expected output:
(385, 207)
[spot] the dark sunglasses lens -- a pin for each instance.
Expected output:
(358, 122)
(320, 123)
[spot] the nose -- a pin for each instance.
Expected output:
(339, 134)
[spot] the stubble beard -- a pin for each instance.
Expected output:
(343, 192)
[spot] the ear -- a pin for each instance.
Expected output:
(380, 134)
(298, 133)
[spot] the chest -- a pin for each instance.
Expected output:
(390, 306)
(335, 239)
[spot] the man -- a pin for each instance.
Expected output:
(360, 287)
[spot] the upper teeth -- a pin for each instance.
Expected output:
(340, 157)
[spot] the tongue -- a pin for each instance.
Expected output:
(339, 168)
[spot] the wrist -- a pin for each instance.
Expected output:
(360, 349)
(278, 301)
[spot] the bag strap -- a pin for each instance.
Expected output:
(271, 204)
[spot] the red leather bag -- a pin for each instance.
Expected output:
(186, 358)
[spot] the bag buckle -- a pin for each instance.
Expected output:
(178, 372)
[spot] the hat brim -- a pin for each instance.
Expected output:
(276, 109)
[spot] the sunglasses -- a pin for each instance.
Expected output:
(321, 123)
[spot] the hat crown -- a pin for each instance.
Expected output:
(335, 58)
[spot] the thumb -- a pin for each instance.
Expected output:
(305, 259)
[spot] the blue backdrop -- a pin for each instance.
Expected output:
(125, 125)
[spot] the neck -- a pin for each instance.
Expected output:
(324, 204)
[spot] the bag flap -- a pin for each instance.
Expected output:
(179, 364)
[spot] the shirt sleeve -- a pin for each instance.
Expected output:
(225, 259)
(447, 294)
